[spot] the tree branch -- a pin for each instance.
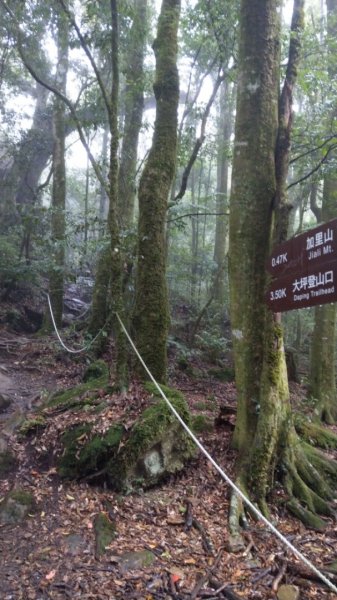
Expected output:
(198, 214)
(89, 55)
(316, 168)
(200, 140)
(57, 93)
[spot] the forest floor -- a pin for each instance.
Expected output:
(52, 555)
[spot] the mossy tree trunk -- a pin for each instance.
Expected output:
(322, 377)
(264, 433)
(151, 314)
(56, 274)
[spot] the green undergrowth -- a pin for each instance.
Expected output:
(201, 424)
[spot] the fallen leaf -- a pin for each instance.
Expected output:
(50, 576)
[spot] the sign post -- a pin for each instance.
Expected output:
(304, 270)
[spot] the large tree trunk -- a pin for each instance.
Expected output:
(151, 314)
(264, 433)
(19, 182)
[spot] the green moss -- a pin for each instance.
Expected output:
(95, 377)
(274, 357)
(84, 454)
(169, 392)
(307, 517)
(32, 425)
(76, 397)
(152, 423)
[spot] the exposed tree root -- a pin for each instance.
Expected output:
(315, 433)
(308, 489)
(309, 478)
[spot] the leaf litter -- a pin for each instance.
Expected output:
(182, 524)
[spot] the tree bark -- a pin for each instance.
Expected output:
(151, 314)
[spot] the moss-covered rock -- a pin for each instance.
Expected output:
(130, 561)
(15, 507)
(85, 453)
(157, 445)
(105, 533)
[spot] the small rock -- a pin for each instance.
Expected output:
(75, 544)
(14, 422)
(7, 462)
(288, 592)
(16, 506)
(5, 402)
(235, 543)
(136, 560)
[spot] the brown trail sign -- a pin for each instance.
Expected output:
(305, 270)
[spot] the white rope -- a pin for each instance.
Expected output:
(60, 339)
(237, 490)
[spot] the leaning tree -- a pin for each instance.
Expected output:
(265, 435)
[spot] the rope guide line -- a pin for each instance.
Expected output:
(60, 339)
(237, 490)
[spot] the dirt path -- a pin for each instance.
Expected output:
(28, 371)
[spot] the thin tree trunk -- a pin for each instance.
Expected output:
(221, 227)
(134, 106)
(56, 275)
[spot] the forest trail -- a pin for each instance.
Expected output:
(22, 378)
(53, 554)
